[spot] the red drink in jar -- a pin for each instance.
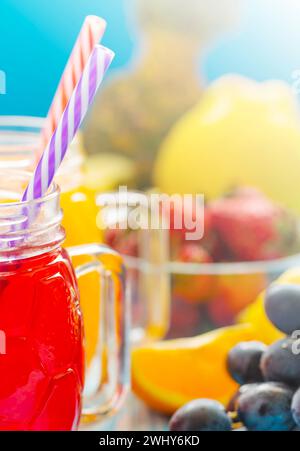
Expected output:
(42, 368)
(41, 359)
(41, 326)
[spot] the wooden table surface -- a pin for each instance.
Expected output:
(133, 416)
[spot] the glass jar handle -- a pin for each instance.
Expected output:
(148, 278)
(113, 330)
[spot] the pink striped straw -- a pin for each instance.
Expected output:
(68, 124)
(90, 34)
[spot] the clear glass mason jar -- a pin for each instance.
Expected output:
(19, 141)
(42, 354)
(19, 138)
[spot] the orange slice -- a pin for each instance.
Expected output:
(168, 374)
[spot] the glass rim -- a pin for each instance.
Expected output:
(23, 122)
(53, 191)
(28, 227)
(217, 268)
(193, 269)
(29, 125)
(27, 129)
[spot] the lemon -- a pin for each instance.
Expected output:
(241, 133)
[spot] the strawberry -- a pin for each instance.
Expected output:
(251, 227)
(184, 215)
(123, 241)
(180, 218)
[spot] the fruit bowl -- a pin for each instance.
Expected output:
(198, 297)
(210, 295)
(181, 288)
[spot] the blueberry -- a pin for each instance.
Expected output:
(280, 363)
(243, 362)
(296, 407)
(201, 415)
(282, 305)
(267, 407)
(232, 405)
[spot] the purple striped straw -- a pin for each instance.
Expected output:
(79, 103)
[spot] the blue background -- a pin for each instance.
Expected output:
(36, 38)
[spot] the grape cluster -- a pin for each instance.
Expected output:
(268, 398)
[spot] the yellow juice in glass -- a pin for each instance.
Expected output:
(79, 220)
